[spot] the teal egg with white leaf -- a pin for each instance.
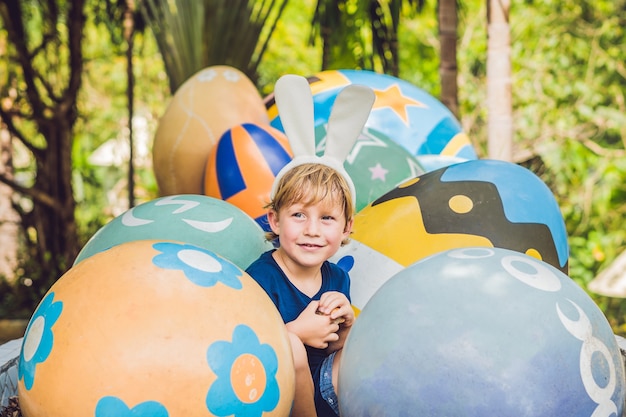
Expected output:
(201, 220)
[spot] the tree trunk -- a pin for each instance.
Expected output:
(48, 109)
(448, 23)
(9, 219)
(129, 36)
(499, 96)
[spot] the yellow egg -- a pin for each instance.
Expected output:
(202, 109)
(155, 328)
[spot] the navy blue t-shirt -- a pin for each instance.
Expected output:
(290, 301)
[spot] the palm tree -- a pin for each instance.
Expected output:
(193, 35)
(499, 95)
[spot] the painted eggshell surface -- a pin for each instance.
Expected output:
(473, 203)
(202, 109)
(200, 220)
(242, 166)
(368, 270)
(402, 111)
(376, 164)
(481, 332)
(155, 328)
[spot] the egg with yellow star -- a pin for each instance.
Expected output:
(155, 328)
(408, 115)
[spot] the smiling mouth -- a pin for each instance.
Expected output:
(310, 245)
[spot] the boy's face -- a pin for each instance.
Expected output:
(310, 234)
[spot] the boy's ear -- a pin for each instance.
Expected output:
(348, 230)
(272, 219)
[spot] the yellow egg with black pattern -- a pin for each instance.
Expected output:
(477, 203)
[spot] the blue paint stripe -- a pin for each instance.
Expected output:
(273, 152)
(230, 179)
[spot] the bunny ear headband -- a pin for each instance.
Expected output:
(350, 111)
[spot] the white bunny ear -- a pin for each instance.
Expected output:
(347, 118)
(295, 107)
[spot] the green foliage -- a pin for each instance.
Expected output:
(419, 50)
(569, 110)
(568, 92)
(100, 191)
(193, 35)
(289, 50)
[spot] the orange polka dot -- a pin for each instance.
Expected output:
(248, 378)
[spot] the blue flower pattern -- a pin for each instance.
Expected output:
(346, 263)
(114, 407)
(226, 396)
(200, 266)
(38, 338)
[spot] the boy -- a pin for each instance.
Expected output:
(311, 215)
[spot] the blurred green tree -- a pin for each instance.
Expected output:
(193, 35)
(44, 61)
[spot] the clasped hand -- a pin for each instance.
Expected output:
(319, 323)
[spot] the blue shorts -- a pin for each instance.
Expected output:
(325, 396)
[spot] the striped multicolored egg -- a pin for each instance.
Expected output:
(403, 112)
(473, 203)
(200, 220)
(155, 328)
(202, 109)
(242, 166)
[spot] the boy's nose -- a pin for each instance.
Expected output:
(312, 228)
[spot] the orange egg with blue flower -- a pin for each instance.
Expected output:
(155, 328)
(242, 166)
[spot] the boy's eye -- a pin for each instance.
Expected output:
(328, 218)
(298, 215)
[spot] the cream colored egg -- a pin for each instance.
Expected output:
(202, 109)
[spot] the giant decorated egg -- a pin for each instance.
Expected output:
(155, 329)
(202, 109)
(368, 270)
(242, 166)
(481, 332)
(197, 219)
(474, 203)
(376, 165)
(411, 117)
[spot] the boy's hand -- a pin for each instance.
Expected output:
(337, 306)
(338, 320)
(313, 329)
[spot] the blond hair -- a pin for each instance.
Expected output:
(309, 184)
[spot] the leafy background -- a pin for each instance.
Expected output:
(569, 78)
